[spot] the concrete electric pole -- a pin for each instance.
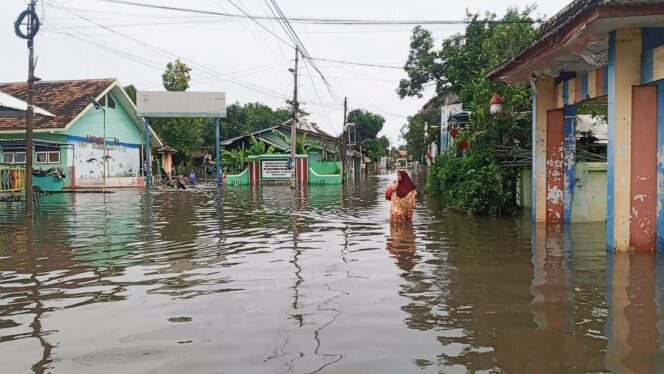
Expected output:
(29, 16)
(343, 152)
(294, 120)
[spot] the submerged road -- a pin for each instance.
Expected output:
(275, 281)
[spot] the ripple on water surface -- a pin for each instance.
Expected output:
(271, 280)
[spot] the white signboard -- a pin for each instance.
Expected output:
(445, 113)
(275, 169)
(180, 104)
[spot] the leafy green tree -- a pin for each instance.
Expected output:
(131, 92)
(368, 124)
(376, 148)
(184, 134)
(176, 77)
(460, 67)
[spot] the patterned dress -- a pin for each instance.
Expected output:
(402, 208)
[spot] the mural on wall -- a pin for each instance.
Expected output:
(121, 160)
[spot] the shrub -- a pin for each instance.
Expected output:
(475, 184)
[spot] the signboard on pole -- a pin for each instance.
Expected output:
(180, 104)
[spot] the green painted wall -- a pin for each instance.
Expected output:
(524, 189)
(590, 197)
(589, 204)
(118, 124)
(58, 138)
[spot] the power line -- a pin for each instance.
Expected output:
(358, 63)
(166, 54)
(323, 21)
(260, 24)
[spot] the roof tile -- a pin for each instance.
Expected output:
(65, 99)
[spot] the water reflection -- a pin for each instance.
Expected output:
(401, 244)
(631, 327)
(269, 279)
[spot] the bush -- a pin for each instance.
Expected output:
(475, 184)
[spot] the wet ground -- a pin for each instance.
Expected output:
(273, 281)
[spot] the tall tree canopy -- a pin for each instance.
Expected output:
(368, 125)
(459, 69)
(176, 77)
(184, 134)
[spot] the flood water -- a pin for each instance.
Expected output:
(274, 281)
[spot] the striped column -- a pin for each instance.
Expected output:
(643, 182)
(302, 169)
(569, 160)
(624, 71)
(254, 172)
(660, 166)
(555, 171)
(543, 100)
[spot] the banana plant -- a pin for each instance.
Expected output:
(258, 147)
(235, 160)
(300, 146)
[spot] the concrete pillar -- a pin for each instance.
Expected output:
(624, 71)
(543, 100)
(570, 160)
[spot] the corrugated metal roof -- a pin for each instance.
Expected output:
(8, 102)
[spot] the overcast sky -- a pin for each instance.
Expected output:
(237, 56)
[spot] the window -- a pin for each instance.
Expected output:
(42, 157)
(54, 157)
(13, 157)
(110, 103)
(19, 157)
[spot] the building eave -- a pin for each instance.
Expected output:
(585, 32)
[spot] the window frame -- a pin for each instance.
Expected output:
(48, 157)
(5, 154)
(37, 157)
(16, 153)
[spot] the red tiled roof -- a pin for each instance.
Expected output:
(65, 99)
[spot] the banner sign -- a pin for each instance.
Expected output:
(180, 104)
(275, 169)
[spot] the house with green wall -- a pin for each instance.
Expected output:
(93, 133)
(322, 145)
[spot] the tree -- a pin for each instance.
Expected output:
(376, 148)
(131, 92)
(183, 134)
(367, 124)
(413, 131)
(176, 77)
(460, 67)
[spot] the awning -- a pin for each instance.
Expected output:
(13, 107)
(19, 144)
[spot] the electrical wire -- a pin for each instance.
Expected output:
(163, 53)
(324, 21)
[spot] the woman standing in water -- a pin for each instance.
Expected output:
(402, 196)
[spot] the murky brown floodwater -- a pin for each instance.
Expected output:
(268, 281)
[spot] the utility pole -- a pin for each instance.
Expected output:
(343, 142)
(294, 120)
(32, 27)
